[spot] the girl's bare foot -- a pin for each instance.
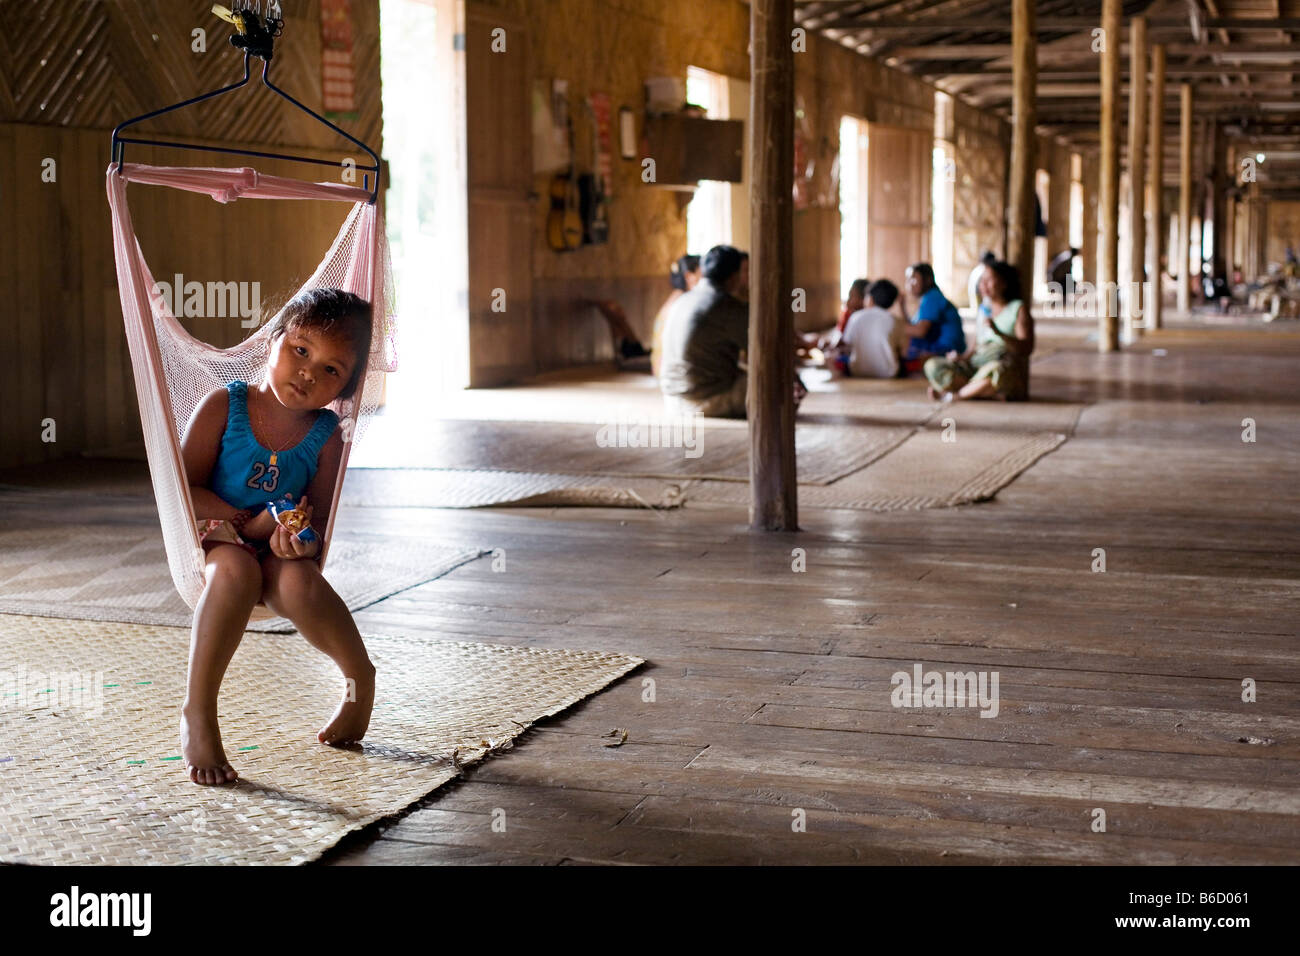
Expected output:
(352, 718)
(201, 746)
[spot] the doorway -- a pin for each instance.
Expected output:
(422, 72)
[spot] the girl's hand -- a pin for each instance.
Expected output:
(261, 527)
(285, 544)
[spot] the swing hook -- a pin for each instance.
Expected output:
(254, 34)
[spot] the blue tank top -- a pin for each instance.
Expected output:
(243, 475)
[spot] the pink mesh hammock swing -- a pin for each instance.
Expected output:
(173, 370)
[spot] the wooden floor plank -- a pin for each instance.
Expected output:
(767, 689)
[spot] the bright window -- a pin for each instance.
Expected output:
(1043, 188)
(708, 217)
(1076, 216)
(941, 238)
(853, 201)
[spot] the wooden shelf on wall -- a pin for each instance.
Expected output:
(687, 149)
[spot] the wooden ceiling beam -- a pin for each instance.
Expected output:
(994, 51)
(1045, 25)
(1201, 69)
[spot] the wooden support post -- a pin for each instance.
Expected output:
(1137, 147)
(1020, 232)
(1091, 235)
(1155, 234)
(1229, 237)
(773, 504)
(1218, 203)
(1108, 207)
(1183, 253)
(1258, 232)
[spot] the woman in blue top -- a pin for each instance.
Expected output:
(936, 325)
(244, 446)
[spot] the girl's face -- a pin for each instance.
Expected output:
(308, 369)
(692, 279)
(991, 286)
(915, 285)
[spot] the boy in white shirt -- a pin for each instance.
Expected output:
(869, 346)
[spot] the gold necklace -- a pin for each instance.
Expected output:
(275, 452)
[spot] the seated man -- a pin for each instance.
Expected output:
(868, 347)
(704, 335)
(936, 325)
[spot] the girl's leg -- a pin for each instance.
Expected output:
(985, 383)
(295, 589)
(979, 388)
(234, 582)
(944, 375)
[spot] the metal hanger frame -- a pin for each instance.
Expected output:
(120, 142)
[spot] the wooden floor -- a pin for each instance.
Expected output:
(1119, 691)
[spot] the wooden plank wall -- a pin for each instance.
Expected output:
(899, 180)
(830, 82)
(63, 352)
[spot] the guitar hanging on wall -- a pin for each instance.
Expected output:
(564, 223)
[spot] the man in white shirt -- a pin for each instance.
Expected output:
(870, 340)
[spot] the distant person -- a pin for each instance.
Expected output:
(973, 283)
(936, 325)
(629, 354)
(1059, 271)
(998, 367)
(683, 276)
(704, 334)
(705, 339)
(855, 300)
(869, 345)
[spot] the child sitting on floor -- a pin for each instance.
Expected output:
(869, 347)
(243, 447)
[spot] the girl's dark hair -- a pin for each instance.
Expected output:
(677, 271)
(925, 271)
(334, 313)
(1007, 276)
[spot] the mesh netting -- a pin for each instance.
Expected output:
(174, 371)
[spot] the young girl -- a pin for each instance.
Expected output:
(246, 445)
(998, 367)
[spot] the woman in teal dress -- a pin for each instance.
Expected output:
(998, 365)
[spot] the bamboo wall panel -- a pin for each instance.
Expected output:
(978, 209)
(1283, 230)
(93, 63)
(63, 353)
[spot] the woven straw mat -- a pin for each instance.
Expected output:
(93, 777)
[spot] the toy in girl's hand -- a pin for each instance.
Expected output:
(284, 512)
